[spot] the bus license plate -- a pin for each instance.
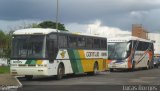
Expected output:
(14, 73)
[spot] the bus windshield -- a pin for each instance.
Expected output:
(118, 50)
(28, 46)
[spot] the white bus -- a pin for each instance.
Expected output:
(48, 52)
(130, 53)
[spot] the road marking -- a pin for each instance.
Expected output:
(20, 84)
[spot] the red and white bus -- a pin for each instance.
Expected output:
(130, 53)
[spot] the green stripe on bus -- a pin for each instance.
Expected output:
(72, 60)
(75, 62)
(33, 62)
(28, 61)
(78, 61)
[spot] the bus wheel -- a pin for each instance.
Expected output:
(95, 69)
(60, 72)
(133, 66)
(28, 77)
(148, 66)
(111, 70)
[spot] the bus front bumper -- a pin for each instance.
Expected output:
(122, 65)
(22, 71)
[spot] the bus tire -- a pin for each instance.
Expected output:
(148, 66)
(28, 77)
(133, 66)
(156, 66)
(152, 65)
(111, 70)
(60, 72)
(95, 69)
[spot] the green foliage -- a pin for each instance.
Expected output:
(44, 24)
(2, 36)
(34, 25)
(50, 24)
(4, 69)
(5, 45)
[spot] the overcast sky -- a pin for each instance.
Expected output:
(83, 15)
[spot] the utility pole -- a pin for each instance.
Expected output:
(57, 15)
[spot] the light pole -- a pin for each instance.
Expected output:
(57, 14)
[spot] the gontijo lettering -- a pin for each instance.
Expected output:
(92, 54)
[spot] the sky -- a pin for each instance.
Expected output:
(87, 16)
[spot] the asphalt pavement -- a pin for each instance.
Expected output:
(115, 81)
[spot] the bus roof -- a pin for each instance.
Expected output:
(44, 31)
(126, 39)
(31, 31)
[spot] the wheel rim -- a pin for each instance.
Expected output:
(60, 72)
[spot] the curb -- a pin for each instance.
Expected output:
(11, 88)
(6, 86)
(20, 84)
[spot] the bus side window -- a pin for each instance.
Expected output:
(72, 41)
(150, 47)
(81, 42)
(89, 42)
(63, 41)
(103, 44)
(96, 43)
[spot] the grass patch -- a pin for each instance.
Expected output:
(4, 69)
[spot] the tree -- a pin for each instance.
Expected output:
(5, 44)
(44, 24)
(7, 49)
(50, 24)
(2, 39)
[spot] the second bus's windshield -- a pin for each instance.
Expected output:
(28, 47)
(117, 50)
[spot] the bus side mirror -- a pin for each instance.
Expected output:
(128, 46)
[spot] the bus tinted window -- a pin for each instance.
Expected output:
(96, 43)
(103, 44)
(62, 41)
(72, 41)
(81, 42)
(142, 46)
(89, 43)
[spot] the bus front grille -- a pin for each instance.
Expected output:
(23, 65)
